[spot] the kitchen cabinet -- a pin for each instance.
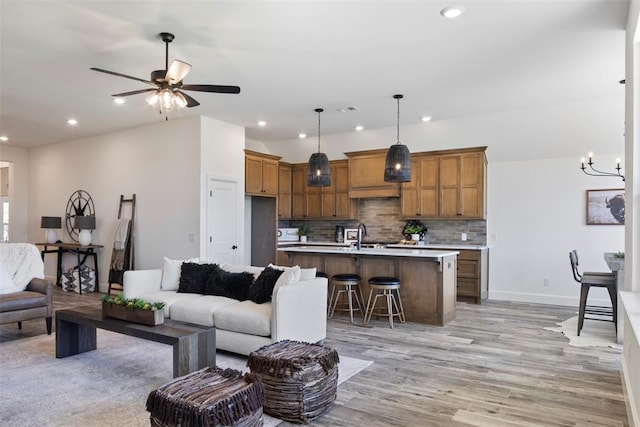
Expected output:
(330, 202)
(420, 197)
(473, 275)
(260, 174)
(446, 184)
(366, 175)
(284, 191)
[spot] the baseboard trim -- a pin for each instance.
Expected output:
(632, 411)
(544, 299)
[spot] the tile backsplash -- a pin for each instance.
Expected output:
(382, 218)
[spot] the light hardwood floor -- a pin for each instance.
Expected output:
(494, 365)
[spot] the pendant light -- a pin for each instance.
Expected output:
(319, 174)
(397, 168)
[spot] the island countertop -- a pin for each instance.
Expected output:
(349, 250)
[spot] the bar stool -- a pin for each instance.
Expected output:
(387, 285)
(348, 284)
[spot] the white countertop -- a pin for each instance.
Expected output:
(414, 253)
(393, 245)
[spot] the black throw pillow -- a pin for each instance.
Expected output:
(230, 285)
(260, 291)
(193, 277)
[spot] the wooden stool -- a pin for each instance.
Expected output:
(387, 285)
(348, 284)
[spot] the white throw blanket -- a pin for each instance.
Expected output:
(120, 239)
(23, 262)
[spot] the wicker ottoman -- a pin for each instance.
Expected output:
(208, 397)
(299, 379)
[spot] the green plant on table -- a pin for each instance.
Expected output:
(303, 230)
(413, 229)
(130, 303)
(619, 255)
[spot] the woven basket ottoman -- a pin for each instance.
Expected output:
(208, 397)
(299, 379)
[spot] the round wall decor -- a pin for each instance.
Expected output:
(80, 203)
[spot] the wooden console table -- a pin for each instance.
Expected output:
(78, 249)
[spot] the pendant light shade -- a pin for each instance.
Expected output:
(397, 167)
(319, 174)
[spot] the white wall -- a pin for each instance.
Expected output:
(159, 163)
(18, 192)
(536, 215)
(222, 157)
(536, 191)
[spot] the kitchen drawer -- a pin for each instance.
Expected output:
(467, 287)
(468, 269)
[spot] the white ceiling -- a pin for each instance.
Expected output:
(290, 57)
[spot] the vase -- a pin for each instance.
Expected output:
(144, 317)
(303, 239)
(415, 237)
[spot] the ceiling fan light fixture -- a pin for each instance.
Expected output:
(397, 167)
(319, 173)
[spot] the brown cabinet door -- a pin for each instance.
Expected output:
(429, 186)
(472, 185)
(366, 175)
(252, 175)
(313, 202)
(284, 191)
(269, 178)
(298, 192)
(450, 186)
(409, 196)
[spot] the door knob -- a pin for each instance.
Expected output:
(234, 247)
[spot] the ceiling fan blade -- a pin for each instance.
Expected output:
(123, 75)
(212, 88)
(190, 101)
(133, 92)
(177, 71)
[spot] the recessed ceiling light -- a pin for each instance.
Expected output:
(452, 11)
(72, 122)
(262, 123)
(359, 128)
(302, 135)
(425, 118)
(4, 138)
(119, 100)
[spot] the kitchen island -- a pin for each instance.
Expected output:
(427, 277)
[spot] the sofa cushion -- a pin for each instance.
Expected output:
(305, 273)
(260, 291)
(232, 268)
(168, 298)
(22, 301)
(289, 276)
(231, 285)
(193, 277)
(171, 269)
(245, 317)
(201, 311)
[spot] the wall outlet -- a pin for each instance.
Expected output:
(546, 282)
(464, 237)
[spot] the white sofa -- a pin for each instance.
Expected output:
(297, 310)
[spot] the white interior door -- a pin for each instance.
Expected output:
(222, 221)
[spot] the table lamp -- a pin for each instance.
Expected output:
(50, 224)
(84, 224)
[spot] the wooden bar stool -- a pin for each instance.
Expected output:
(348, 284)
(394, 303)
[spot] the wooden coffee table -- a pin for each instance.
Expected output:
(194, 346)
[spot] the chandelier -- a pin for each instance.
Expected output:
(590, 170)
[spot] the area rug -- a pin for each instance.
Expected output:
(594, 333)
(106, 387)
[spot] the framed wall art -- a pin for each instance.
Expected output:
(350, 235)
(605, 207)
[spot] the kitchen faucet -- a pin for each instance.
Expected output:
(364, 230)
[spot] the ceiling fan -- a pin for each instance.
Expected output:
(167, 91)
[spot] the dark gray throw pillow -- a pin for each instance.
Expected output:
(260, 291)
(193, 277)
(231, 285)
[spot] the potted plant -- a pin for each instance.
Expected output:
(414, 230)
(132, 309)
(303, 232)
